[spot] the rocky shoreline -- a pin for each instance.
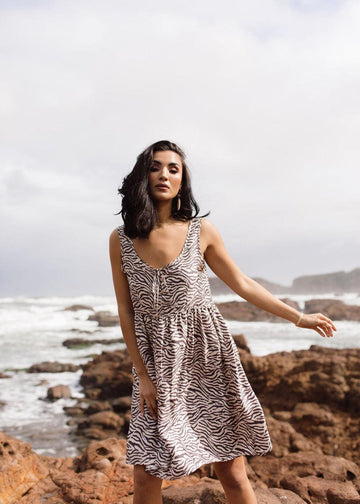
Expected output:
(311, 399)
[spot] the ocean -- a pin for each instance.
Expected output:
(32, 330)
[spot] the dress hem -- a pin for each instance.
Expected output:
(161, 474)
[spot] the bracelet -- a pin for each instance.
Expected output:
(298, 322)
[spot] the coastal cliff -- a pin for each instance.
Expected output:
(338, 282)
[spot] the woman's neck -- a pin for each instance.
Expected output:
(163, 209)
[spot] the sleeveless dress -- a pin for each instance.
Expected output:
(207, 410)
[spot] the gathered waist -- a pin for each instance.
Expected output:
(171, 311)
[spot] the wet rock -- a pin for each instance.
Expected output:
(104, 318)
(75, 343)
(247, 312)
(58, 392)
(74, 411)
(333, 308)
(77, 307)
(53, 367)
(3, 375)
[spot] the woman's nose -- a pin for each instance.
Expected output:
(163, 175)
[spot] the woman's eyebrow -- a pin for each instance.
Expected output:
(170, 164)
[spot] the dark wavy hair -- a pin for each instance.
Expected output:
(138, 209)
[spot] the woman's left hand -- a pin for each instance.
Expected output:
(321, 324)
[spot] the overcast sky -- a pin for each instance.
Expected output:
(262, 95)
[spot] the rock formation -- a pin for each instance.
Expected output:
(311, 400)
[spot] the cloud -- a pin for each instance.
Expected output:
(263, 96)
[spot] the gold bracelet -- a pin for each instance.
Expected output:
(298, 322)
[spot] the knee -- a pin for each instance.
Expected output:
(233, 479)
(145, 480)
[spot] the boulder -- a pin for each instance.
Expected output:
(58, 392)
(77, 307)
(53, 367)
(104, 318)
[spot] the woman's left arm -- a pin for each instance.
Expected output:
(227, 270)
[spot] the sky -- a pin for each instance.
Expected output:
(263, 96)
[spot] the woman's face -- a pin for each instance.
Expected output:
(165, 175)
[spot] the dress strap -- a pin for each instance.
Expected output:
(195, 242)
(126, 250)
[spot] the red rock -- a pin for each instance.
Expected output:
(344, 493)
(58, 392)
(20, 469)
(99, 476)
(207, 490)
(276, 496)
(286, 496)
(307, 473)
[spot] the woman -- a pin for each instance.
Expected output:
(191, 403)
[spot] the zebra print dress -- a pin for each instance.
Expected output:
(207, 410)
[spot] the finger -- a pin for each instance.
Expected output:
(318, 331)
(327, 328)
(329, 321)
(151, 409)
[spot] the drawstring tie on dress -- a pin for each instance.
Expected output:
(159, 277)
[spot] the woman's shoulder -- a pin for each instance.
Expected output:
(114, 238)
(206, 225)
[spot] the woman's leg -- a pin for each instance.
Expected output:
(233, 477)
(147, 487)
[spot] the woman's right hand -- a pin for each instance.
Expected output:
(148, 395)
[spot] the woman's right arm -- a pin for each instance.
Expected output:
(126, 316)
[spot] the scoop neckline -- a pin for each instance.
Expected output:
(171, 263)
